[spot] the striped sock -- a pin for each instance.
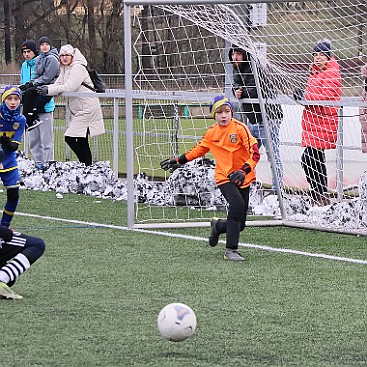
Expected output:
(18, 265)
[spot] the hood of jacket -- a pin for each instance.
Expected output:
(246, 58)
(79, 58)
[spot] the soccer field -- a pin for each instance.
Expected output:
(94, 297)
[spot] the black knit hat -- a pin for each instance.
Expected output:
(44, 39)
(323, 46)
(30, 45)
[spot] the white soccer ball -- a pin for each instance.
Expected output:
(176, 322)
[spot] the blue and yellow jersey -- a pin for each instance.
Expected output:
(14, 129)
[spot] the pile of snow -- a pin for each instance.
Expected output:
(73, 177)
(190, 185)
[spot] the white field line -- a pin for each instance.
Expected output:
(194, 238)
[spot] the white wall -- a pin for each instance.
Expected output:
(355, 163)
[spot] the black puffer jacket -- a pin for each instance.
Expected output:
(243, 76)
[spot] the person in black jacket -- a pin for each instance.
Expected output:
(244, 86)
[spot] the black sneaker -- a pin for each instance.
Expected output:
(35, 124)
(214, 235)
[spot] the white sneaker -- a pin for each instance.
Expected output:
(7, 293)
(233, 255)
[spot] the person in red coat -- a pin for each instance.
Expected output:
(319, 122)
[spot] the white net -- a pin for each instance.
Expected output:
(180, 61)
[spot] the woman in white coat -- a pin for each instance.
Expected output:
(85, 113)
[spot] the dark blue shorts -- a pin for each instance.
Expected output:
(10, 178)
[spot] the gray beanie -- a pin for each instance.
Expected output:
(45, 39)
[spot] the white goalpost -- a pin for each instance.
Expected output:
(176, 61)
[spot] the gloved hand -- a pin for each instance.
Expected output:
(6, 234)
(237, 177)
(4, 140)
(42, 90)
(1, 154)
(170, 164)
(26, 86)
(298, 94)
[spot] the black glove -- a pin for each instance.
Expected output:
(42, 90)
(32, 91)
(1, 155)
(26, 86)
(6, 234)
(170, 164)
(4, 140)
(237, 177)
(298, 94)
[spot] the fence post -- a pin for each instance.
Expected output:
(340, 156)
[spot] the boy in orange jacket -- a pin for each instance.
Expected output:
(236, 153)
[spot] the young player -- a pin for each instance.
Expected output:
(17, 253)
(12, 124)
(236, 153)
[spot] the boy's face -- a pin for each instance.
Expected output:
(237, 58)
(12, 101)
(223, 115)
(45, 47)
(28, 54)
(320, 59)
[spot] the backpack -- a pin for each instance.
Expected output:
(98, 84)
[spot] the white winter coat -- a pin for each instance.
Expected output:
(84, 112)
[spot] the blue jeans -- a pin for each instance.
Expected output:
(258, 131)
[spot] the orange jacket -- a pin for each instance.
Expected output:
(232, 147)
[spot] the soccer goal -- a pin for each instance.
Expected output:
(176, 61)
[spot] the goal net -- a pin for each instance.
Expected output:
(180, 61)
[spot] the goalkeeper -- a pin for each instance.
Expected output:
(17, 253)
(236, 153)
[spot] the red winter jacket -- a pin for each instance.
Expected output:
(320, 123)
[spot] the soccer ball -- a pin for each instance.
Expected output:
(176, 322)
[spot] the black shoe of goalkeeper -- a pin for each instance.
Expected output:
(214, 235)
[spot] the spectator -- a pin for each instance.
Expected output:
(320, 123)
(12, 124)
(236, 154)
(46, 70)
(41, 137)
(85, 113)
(244, 86)
(363, 110)
(17, 253)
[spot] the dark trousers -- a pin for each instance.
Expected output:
(31, 247)
(80, 146)
(313, 163)
(237, 200)
(33, 104)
